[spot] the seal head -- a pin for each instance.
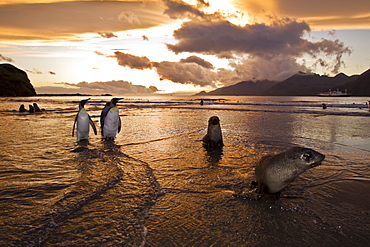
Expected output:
(275, 172)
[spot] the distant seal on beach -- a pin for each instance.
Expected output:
(31, 109)
(275, 172)
(213, 138)
(36, 107)
(22, 108)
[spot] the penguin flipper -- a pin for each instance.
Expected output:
(93, 126)
(103, 114)
(74, 124)
(119, 124)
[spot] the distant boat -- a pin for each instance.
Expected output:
(336, 93)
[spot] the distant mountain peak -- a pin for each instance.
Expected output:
(341, 75)
(299, 84)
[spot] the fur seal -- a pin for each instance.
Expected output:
(213, 138)
(31, 109)
(275, 172)
(36, 107)
(22, 108)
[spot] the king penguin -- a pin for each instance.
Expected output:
(83, 120)
(110, 121)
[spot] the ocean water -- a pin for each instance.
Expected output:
(155, 185)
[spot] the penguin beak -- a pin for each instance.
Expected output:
(115, 100)
(83, 102)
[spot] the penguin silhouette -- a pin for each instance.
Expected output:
(83, 121)
(110, 121)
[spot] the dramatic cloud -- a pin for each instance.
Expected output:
(271, 50)
(199, 61)
(282, 37)
(185, 73)
(222, 37)
(131, 61)
(180, 10)
(192, 70)
(250, 48)
(318, 13)
(48, 21)
(6, 59)
(111, 87)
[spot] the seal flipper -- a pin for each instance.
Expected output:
(254, 184)
(262, 188)
(252, 195)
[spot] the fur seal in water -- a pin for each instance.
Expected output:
(275, 172)
(213, 138)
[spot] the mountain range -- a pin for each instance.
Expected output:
(300, 84)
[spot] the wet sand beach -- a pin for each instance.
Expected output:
(155, 185)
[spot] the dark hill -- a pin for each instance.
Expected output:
(302, 84)
(14, 82)
(244, 88)
(360, 86)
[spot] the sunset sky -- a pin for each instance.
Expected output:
(169, 46)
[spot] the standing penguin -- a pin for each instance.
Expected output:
(110, 121)
(83, 120)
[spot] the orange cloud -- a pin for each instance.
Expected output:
(51, 20)
(317, 13)
(6, 59)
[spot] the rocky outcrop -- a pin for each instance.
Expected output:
(14, 82)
